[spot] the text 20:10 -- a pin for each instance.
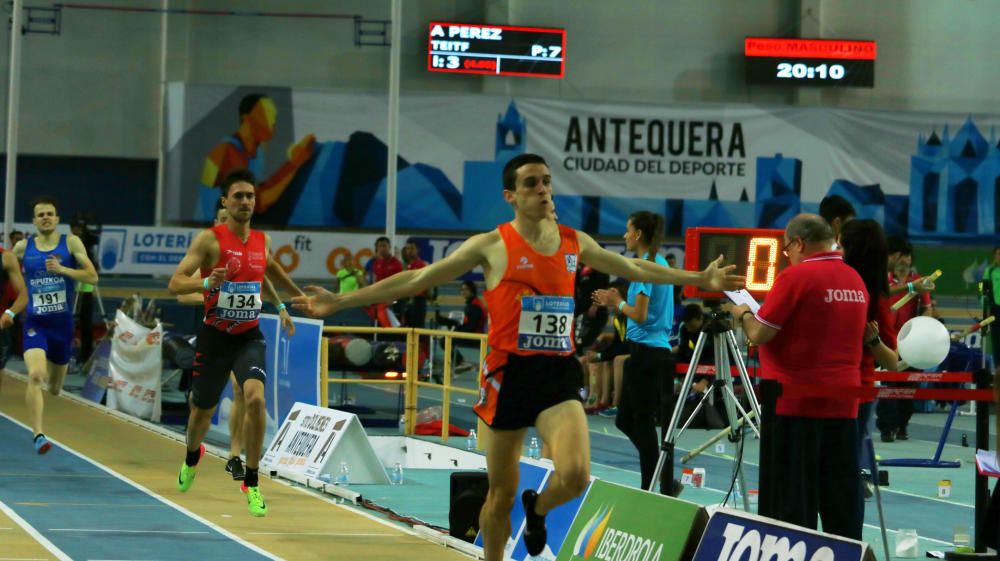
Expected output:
(788, 70)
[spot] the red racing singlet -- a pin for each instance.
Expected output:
(234, 306)
(531, 310)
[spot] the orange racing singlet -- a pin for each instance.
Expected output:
(531, 309)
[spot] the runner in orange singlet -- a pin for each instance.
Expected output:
(530, 377)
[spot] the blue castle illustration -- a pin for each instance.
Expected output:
(954, 191)
(955, 185)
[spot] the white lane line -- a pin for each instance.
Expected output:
(113, 531)
(38, 537)
(215, 450)
(340, 534)
(176, 506)
(891, 531)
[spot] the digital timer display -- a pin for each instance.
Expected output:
(811, 62)
(501, 50)
(756, 252)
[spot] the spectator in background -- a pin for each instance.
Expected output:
(590, 317)
(991, 297)
(893, 415)
(606, 362)
(414, 309)
(901, 257)
(473, 321)
(693, 322)
(837, 211)
(678, 296)
(350, 277)
(589, 320)
(15, 236)
(867, 252)
(85, 291)
(382, 266)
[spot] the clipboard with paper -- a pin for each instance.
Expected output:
(741, 296)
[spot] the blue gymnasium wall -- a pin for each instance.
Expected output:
(108, 190)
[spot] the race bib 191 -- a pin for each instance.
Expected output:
(238, 301)
(546, 324)
(48, 295)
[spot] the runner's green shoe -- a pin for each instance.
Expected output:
(186, 477)
(255, 502)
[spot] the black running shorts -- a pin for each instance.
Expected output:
(527, 385)
(217, 354)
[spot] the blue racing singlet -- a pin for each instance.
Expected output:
(50, 295)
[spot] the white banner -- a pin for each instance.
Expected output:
(135, 366)
(928, 176)
(140, 250)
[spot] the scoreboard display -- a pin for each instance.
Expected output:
(756, 252)
(809, 62)
(501, 50)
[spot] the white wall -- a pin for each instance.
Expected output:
(93, 90)
(656, 51)
(319, 53)
(932, 55)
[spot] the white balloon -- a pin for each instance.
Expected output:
(924, 342)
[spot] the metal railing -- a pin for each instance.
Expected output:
(409, 378)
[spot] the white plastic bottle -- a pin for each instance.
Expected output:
(343, 475)
(534, 449)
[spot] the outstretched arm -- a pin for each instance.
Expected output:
(714, 277)
(468, 256)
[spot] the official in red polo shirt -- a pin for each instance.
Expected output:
(382, 266)
(810, 330)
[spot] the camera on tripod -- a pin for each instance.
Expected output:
(718, 329)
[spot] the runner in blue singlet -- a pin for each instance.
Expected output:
(52, 263)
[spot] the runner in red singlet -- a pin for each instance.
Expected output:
(529, 377)
(233, 260)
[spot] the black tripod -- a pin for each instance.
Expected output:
(719, 327)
